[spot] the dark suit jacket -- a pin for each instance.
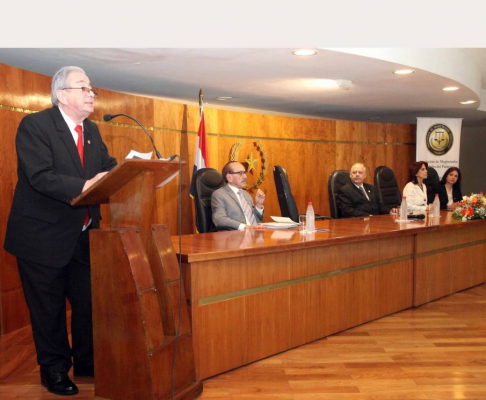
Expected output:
(226, 208)
(43, 227)
(444, 199)
(352, 203)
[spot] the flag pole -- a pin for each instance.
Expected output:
(201, 97)
(201, 159)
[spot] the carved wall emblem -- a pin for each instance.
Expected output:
(254, 158)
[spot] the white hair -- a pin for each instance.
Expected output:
(59, 81)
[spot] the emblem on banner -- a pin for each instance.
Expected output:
(439, 139)
(254, 159)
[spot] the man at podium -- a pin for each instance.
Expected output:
(60, 154)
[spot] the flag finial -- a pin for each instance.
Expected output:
(200, 97)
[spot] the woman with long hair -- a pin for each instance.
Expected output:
(415, 190)
(450, 189)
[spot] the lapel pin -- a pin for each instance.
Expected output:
(89, 142)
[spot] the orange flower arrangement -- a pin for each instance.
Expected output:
(472, 207)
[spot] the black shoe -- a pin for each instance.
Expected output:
(83, 371)
(58, 383)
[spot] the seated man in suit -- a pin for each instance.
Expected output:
(231, 205)
(358, 199)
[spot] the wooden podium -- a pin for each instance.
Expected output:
(136, 291)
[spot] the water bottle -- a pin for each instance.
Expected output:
(403, 209)
(436, 206)
(310, 217)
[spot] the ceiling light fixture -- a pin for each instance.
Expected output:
(450, 88)
(403, 71)
(468, 102)
(223, 98)
(304, 52)
(343, 84)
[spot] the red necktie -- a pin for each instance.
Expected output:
(80, 147)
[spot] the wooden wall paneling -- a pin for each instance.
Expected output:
(13, 312)
(400, 155)
(329, 165)
(400, 133)
(9, 122)
(398, 158)
(110, 102)
(178, 133)
(313, 176)
(349, 154)
(24, 89)
(120, 140)
(172, 138)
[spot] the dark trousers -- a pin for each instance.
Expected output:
(45, 290)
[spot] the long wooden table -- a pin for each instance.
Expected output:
(253, 294)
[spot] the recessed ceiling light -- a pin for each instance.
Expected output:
(304, 52)
(138, 63)
(223, 98)
(468, 102)
(332, 83)
(403, 71)
(450, 88)
(326, 83)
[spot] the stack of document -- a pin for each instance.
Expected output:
(280, 223)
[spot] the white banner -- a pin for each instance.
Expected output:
(439, 142)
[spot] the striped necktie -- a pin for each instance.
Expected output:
(246, 209)
(361, 189)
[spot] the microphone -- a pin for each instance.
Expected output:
(109, 117)
(415, 216)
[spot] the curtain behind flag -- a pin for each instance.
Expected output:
(438, 142)
(201, 160)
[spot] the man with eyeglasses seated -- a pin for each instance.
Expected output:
(231, 205)
(60, 155)
(358, 199)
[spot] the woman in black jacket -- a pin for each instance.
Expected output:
(450, 189)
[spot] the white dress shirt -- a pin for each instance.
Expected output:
(236, 190)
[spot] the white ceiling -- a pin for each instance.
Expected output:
(275, 81)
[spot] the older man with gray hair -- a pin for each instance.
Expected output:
(358, 199)
(60, 154)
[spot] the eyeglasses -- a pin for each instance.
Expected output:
(84, 89)
(240, 173)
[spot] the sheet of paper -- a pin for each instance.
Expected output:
(283, 219)
(280, 225)
(135, 154)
